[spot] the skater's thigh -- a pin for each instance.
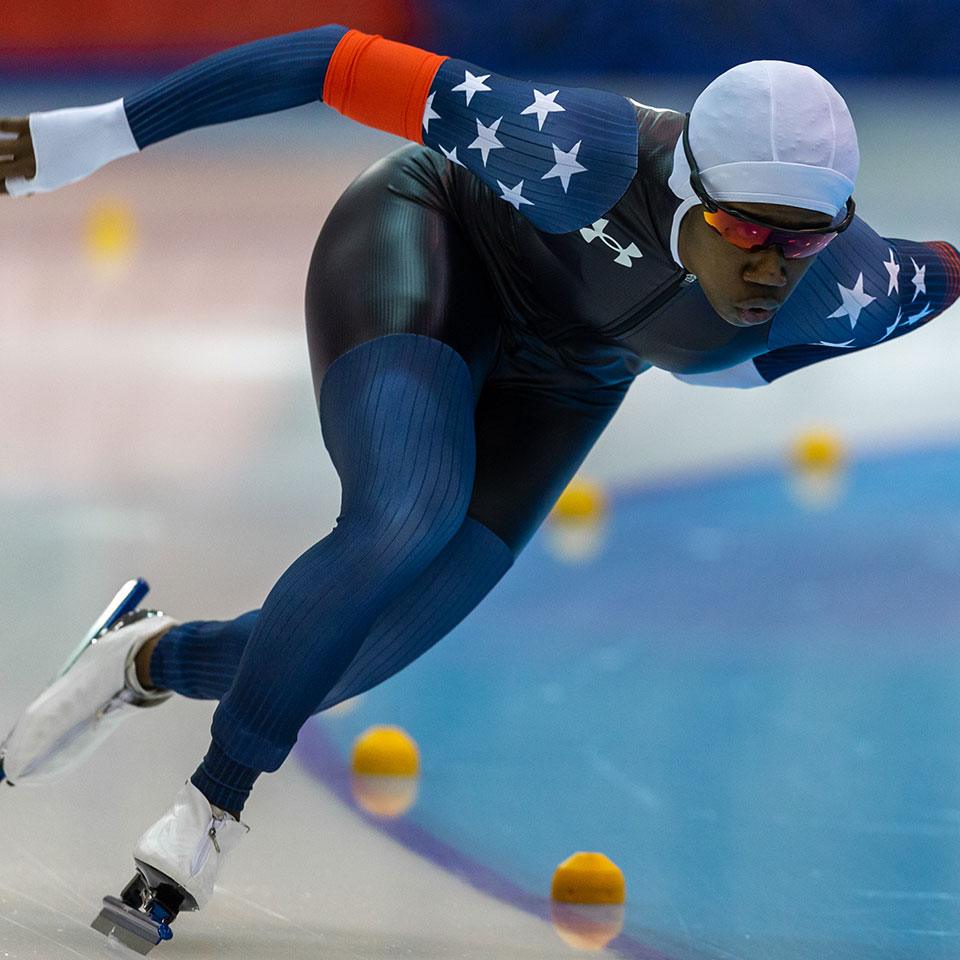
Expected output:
(390, 259)
(530, 442)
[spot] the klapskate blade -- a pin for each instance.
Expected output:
(126, 600)
(131, 927)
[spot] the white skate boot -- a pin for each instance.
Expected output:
(178, 862)
(74, 715)
(188, 846)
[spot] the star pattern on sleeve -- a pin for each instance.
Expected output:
(451, 155)
(919, 279)
(472, 84)
(923, 314)
(486, 139)
(854, 300)
(513, 194)
(543, 103)
(563, 157)
(861, 272)
(893, 269)
(565, 165)
(429, 113)
(896, 323)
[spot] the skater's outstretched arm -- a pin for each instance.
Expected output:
(562, 156)
(863, 290)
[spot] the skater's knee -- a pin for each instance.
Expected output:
(407, 525)
(397, 412)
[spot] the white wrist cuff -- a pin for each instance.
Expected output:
(70, 144)
(743, 375)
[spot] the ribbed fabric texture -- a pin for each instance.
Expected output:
(950, 261)
(563, 156)
(199, 659)
(223, 781)
(260, 77)
(467, 569)
(397, 418)
(853, 292)
(870, 289)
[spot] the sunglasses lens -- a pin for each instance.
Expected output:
(748, 236)
(738, 232)
(801, 245)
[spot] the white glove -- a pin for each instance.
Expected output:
(70, 144)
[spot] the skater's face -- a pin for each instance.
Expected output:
(746, 287)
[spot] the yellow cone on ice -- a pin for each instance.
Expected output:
(817, 480)
(818, 450)
(386, 752)
(588, 878)
(588, 894)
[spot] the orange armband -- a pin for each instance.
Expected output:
(381, 83)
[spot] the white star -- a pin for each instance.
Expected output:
(893, 268)
(543, 103)
(854, 300)
(565, 164)
(486, 139)
(925, 312)
(513, 195)
(451, 155)
(472, 84)
(896, 323)
(429, 113)
(891, 328)
(918, 281)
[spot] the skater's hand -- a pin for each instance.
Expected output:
(17, 158)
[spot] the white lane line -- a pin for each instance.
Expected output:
(605, 768)
(914, 895)
(58, 880)
(270, 913)
(43, 936)
(46, 906)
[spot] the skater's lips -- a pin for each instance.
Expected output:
(758, 303)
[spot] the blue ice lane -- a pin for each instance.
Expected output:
(754, 709)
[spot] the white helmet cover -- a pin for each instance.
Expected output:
(769, 131)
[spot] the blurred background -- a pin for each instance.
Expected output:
(729, 661)
(261, 188)
(883, 38)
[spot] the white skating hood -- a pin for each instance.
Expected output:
(769, 131)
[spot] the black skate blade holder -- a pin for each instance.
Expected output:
(127, 600)
(133, 928)
(140, 918)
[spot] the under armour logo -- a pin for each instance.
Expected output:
(624, 254)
